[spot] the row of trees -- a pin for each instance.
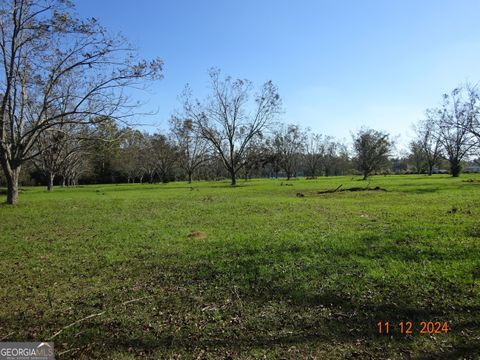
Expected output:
(58, 74)
(234, 127)
(62, 105)
(182, 153)
(221, 138)
(224, 135)
(109, 153)
(451, 131)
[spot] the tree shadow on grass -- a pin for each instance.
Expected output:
(421, 191)
(350, 323)
(166, 187)
(303, 317)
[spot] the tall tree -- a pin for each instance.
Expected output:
(472, 106)
(76, 163)
(192, 147)
(313, 153)
(129, 157)
(372, 149)
(288, 142)
(454, 129)
(329, 155)
(106, 138)
(56, 68)
(428, 140)
(165, 155)
(418, 156)
(343, 163)
(57, 147)
(228, 119)
(256, 157)
(148, 159)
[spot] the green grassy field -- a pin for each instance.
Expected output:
(271, 275)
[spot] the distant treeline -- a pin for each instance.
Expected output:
(63, 110)
(197, 148)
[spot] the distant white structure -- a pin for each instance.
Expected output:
(471, 169)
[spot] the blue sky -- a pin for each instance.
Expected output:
(339, 65)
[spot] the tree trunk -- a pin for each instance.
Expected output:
(189, 177)
(63, 181)
(455, 167)
(430, 169)
(51, 177)
(365, 175)
(233, 177)
(12, 186)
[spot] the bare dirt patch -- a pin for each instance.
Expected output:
(198, 235)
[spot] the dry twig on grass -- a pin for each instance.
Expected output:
(95, 315)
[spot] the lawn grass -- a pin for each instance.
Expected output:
(277, 275)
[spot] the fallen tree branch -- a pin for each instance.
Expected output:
(376, 188)
(75, 323)
(7, 336)
(135, 300)
(330, 191)
(95, 315)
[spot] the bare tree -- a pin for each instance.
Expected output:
(165, 155)
(453, 121)
(329, 151)
(76, 164)
(428, 141)
(418, 156)
(372, 149)
(273, 158)
(192, 147)
(256, 157)
(57, 68)
(343, 163)
(148, 160)
(104, 146)
(129, 157)
(472, 106)
(50, 146)
(313, 153)
(229, 121)
(288, 142)
(56, 148)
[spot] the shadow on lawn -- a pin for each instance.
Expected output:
(338, 320)
(428, 190)
(164, 187)
(355, 326)
(312, 318)
(351, 325)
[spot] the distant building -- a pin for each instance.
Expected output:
(471, 169)
(438, 170)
